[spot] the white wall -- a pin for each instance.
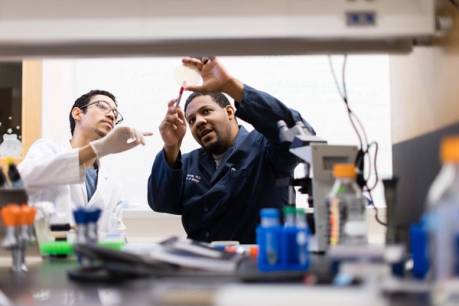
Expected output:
(143, 86)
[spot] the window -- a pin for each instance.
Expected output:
(143, 86)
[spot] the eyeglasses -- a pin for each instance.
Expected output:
(107, 109)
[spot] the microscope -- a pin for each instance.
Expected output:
(317, 158)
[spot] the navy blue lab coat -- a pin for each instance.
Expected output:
(224, 203)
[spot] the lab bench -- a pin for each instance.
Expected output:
(47, 283)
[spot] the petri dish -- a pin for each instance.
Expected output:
(187, 75)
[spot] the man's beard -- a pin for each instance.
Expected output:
(216, 147)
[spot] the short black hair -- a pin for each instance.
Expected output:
(217, 97)
(82, 101)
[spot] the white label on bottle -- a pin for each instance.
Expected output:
(355, 228)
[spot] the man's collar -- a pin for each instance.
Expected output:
(240, 136)
(242, 132)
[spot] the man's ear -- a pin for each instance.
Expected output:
(230, 111)
(76, 113)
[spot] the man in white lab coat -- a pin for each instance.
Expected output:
(70, 175)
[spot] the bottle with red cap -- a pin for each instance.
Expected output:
(346, 208)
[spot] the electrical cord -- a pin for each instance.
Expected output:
(375, 168)
(344, 96)
(364, 146)
(376, 210)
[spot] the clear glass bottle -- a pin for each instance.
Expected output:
(289, 216)
(11, 145)
(346, 208)
(442, 214)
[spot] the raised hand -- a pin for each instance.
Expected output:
(215, 77)
(172, 130)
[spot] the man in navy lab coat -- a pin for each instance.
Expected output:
(220, 188)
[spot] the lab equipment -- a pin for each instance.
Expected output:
(182, 88)
(25, 231)
(444, 183)
(81, 221)
(442, 214)
(56, 249)
(346, 208)
(10, 178)
(390, 195)
(10, 217)
(302, 237)
(289, 232)
(11, 145)
(283, 248)
(269, 240)
(86, 221)
(419, 249)
(186, 75)
(65, 248)
(14, 176)
(92, 228)
(344, 27)
(19, 232)
(318, 159)
(2, 178)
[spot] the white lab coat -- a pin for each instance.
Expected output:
(51, 172)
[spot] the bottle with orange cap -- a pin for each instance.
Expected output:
(442, 214)
(10, 216)
(18, 220)
(346, 208)
(25, 232)
(447, 178)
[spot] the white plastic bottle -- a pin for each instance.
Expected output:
(346, 208)
(442, 214)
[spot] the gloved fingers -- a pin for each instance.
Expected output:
(132, 138)
(122, 131)
(136, 137)
(140, 138)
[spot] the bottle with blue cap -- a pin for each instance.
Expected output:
(289, 235)
(269, 240)
(86, 220)
(302, 238)
(92, 230)
(81, 220)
